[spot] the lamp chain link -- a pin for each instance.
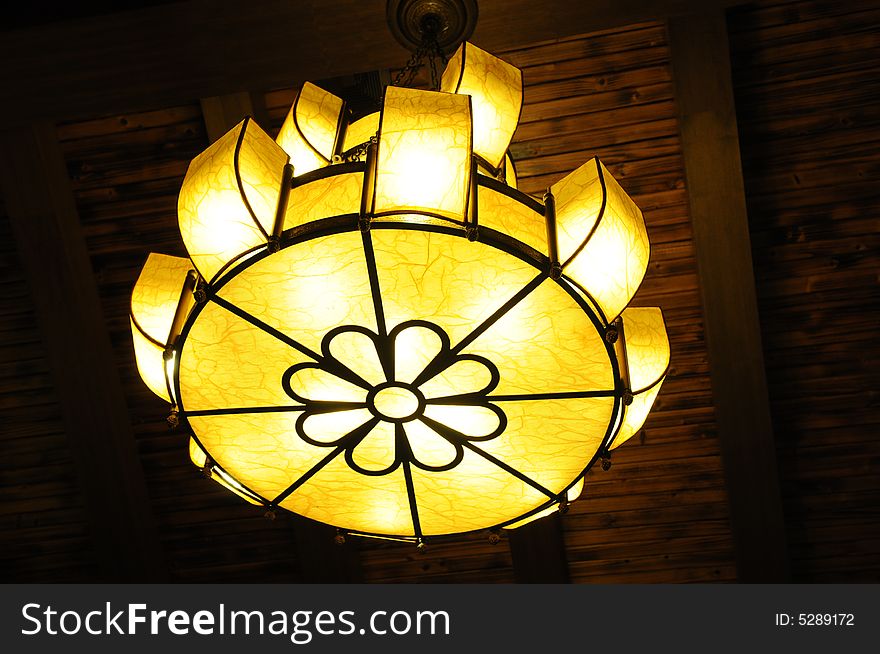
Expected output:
(429, 49)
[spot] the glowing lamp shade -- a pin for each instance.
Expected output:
(647, 359)
(603, 243)
(311, 128)
(424, 161)
(396, 341)
(496, 92)
(228, 201)
(155, 299)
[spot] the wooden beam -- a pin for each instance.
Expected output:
(321, 559)
(710, 145)
(538, 552)
(37, 194)
(172, 53)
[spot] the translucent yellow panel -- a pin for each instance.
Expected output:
(552, 441)
(157, 292)
(571, 496)
(150, 363)
(461, 377)
(544, 344)
(476, 494)
(357, 352)
(543, 513)
(504, 214)
(319, 385)
(445, 279)
(428, 447)
(636, 414)
(647, 345)
(579, 197)
(309, 131)
(308, 288)
(424, 161)
(230, 483)
(474, 421)
(197, 454)
(229, 197)
(226, 362)
(496, 91)
(330, 427)
(376, 452)
(414, 348)
(575, 491)
(344, 498)
(324, 198)
(360, 131)
(509, 171)
(614, 260)
(261, 450)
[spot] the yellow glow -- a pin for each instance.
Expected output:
(396, 402)
(360, 131)
(575, 491)
(330, 427)
(424, 160)
(323, 198)
(307, 290)
(196, 454)
(543, 513)
(635, 414)
(445, 279)
(261, 450)
(509, 171)
(367, 374)
(546, 344)
(509, 216)
(309, 131)
(377, 450)
(150, 363)
(228, 482)
(463, 376)
(496, 91)
(220, 219)
(340, 496)
(226, 362)
(427, 445)
(468, 420)
(611, 265)
(647, 346)
(571, 495)
(157, 292)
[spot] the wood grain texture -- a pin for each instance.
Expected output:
(170, 54)
(807, 84)
(707, 121)
(53, 255)
(805, 90)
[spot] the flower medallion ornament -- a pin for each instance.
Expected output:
(375, 329)
(395, 408)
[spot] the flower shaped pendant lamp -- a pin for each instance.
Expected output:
(375, 329)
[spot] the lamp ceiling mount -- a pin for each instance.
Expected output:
(448, 22)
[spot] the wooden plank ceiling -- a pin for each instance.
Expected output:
(807, 124)
(807, 83)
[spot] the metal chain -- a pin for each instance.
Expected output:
(429, 49)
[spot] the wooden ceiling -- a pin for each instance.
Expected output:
(761, 454)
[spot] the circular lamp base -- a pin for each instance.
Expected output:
(452, 21)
